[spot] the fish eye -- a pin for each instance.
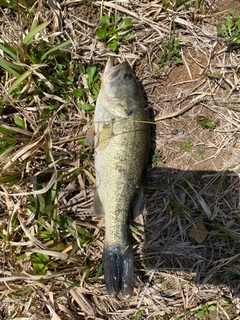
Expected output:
(128, 76)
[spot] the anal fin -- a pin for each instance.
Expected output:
(90, 135)
(97, 205)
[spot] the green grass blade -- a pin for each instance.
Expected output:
(34, 25)
(8, 67)
(17, 82)
(61, 45)
(12, 65)
(98, 273)
(226, 231)
(4, 3)
(35, 31)
(9, 52)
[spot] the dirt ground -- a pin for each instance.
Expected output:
(193, 172)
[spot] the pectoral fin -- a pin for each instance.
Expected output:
(138, 203)
(90, 135)
(97, 205)
(120, 110)
(139, 200)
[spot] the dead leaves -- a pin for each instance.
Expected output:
(198, 232)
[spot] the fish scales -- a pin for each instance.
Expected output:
(121, 152)
(119, 170)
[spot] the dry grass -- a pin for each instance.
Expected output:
(187, 258)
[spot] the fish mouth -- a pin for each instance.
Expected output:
(109, 65)
(113, 72)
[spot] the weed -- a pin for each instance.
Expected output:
(206, 123)
(231, 30)
(186, 146)
(234, 108)
(182, 4)
(8, 139)
(113, 30)
(20, 293)
(36, 65)
(200, 7)
(166, 4)
(41, 67)
(171, 53)
(139, 315)
(37, 69)
(137, 230)
(177, 208)
(218, 237)
(40, 263)
(186, 185)
(84, 96)
(13, 4)
(157, 158)
(213, 75)
(205, 310)
(224, 230)
(200, 153)
(179, 5)
(163, 287)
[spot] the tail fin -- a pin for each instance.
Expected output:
(119, 270)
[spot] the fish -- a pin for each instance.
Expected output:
(120, 133)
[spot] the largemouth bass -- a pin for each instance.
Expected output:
(121, 138)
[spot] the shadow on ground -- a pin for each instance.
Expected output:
(192, 225)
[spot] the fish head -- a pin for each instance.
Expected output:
(120, 85)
